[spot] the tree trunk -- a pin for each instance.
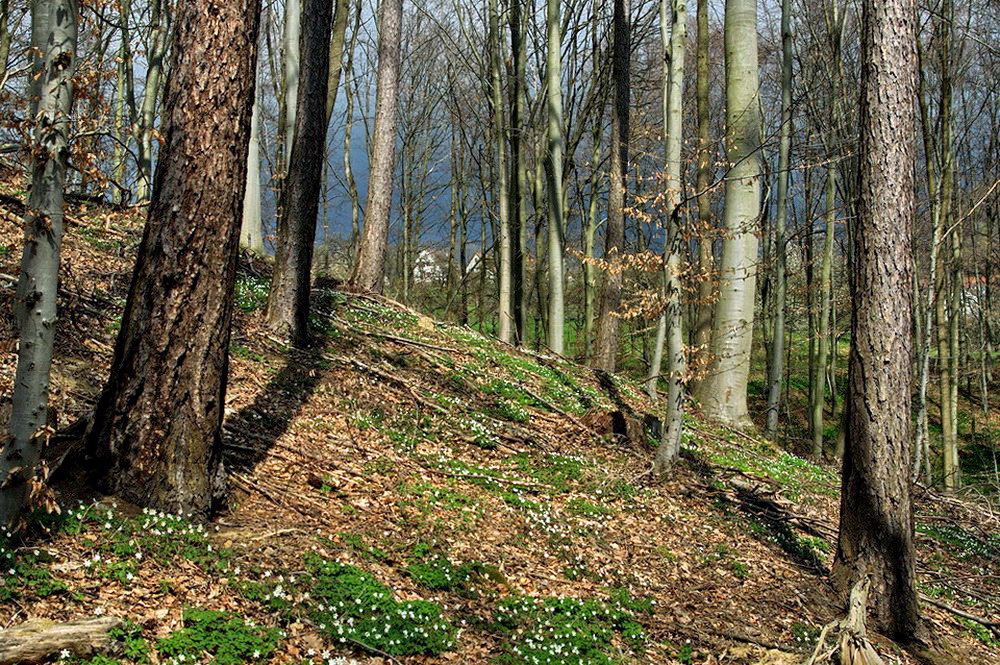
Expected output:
(723, 393)
(703, 180)
(876, 514)
(341, 13)
(671, 321)
(777, 351)
(252, 228)
(291, 64)
(606, 342)
(50, 89)
(823, 328)
(288, 298)
(504, 314)
(553, 78)
(159, 43)
(519, 181)
(156, 431)
(369, 269)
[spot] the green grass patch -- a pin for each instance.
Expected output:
(226, 637)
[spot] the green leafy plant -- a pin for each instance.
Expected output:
(564, 631)
(226, 637)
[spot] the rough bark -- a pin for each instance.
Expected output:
(606, 342)
(287, 310)
(36, 640)
(723, 393)
(50, 87)
(369, 269)
(156, 432)
(519, 179)
(876, 516)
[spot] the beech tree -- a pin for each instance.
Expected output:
(723, 392)
(155, 435)
(876, 514)
(50, 91)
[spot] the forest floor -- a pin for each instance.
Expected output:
(409, 491)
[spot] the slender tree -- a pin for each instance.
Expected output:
(369, 268)
(673, 15)
(155, 435)
(775, 365)
(504, 312)
(50, 91)
(557, 223)
(723, 393)
(876, 514)
(288, 299)
(252, 228)
(606, 343)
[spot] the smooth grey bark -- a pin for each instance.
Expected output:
(554, 172)
(723, 393)
(671, 321)
(50, 87)
(159, 43)
(252, 230)
(291, 65)
(776, 358)
(369, 269)
(818, 393)
(504, 313)
(341, 14)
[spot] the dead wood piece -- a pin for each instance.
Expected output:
(993, 626)
(852, 644)
(35, 640)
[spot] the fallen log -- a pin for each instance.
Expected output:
(38, 639)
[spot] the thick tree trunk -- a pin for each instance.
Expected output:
(723, 393)
(50, 89)
(606, 342)
(553, 78)
(288, 299)
(775, 366)
(876, 514)
(369, 269)
(156, 432)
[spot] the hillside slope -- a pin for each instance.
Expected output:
(412, 491)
